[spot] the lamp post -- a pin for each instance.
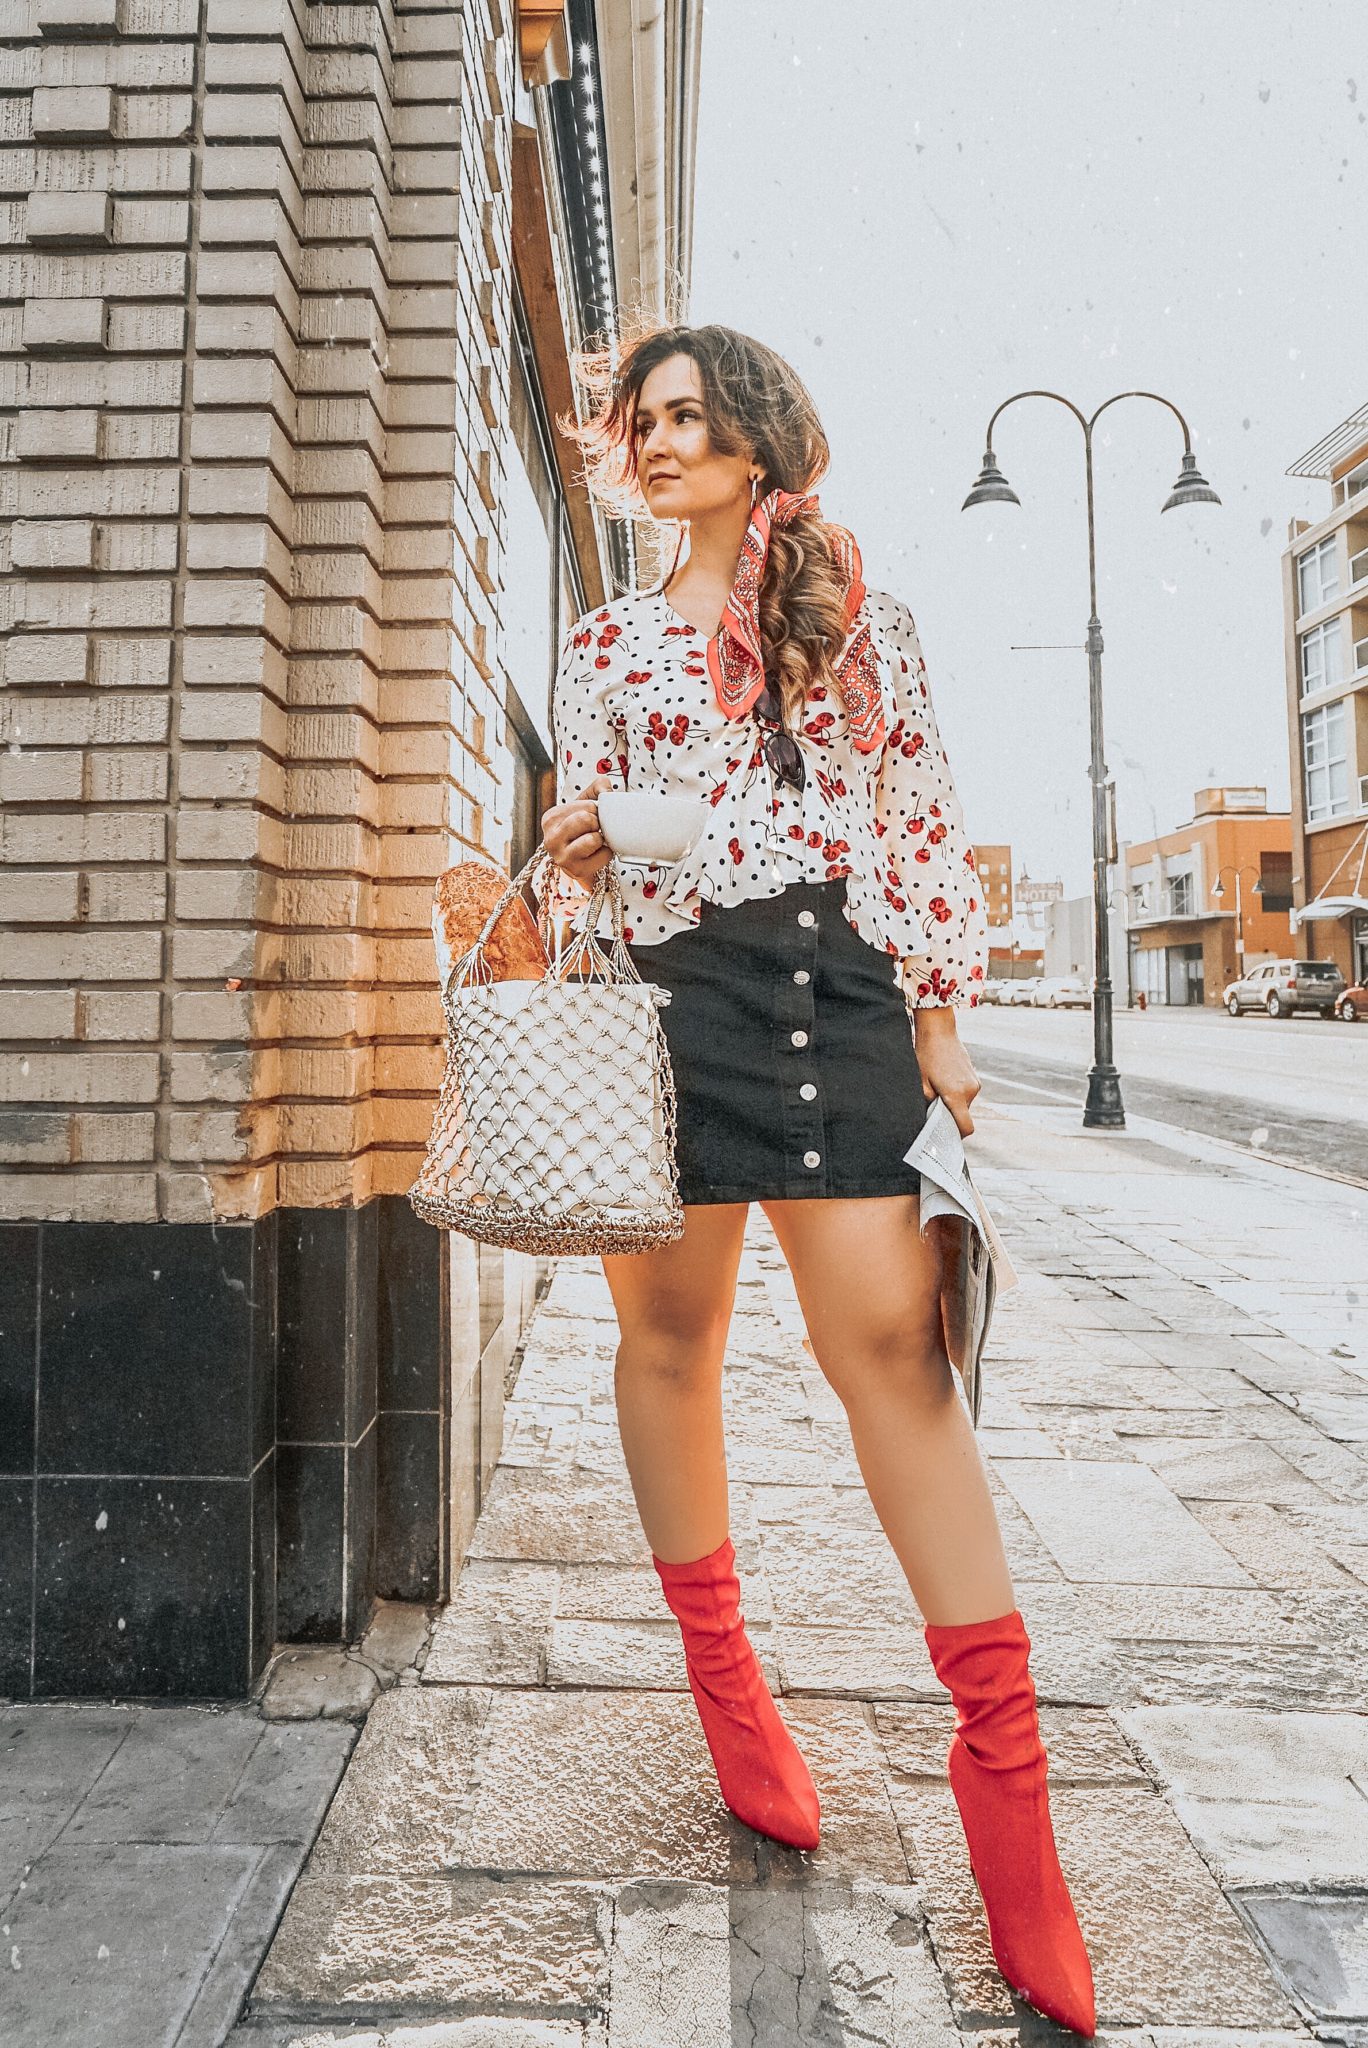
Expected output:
(1123, 895)
(1103, 1106)
(1218, 891)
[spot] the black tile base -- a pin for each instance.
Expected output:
(16, 1584)
(143, 1587)
(408, 1518)
(19, 1244)
(358, 1572)
(310, 1505)
(147, 1353)
(264, 1625)
(217, 1438)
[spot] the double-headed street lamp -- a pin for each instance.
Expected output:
(1120, 895)
(1103, 1106)
(1218, 891)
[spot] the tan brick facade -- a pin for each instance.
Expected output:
(255, 358)
(289, 537)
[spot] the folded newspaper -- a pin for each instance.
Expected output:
(975, 1265)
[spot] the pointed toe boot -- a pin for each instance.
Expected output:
(997, 1768)
(760, 1769)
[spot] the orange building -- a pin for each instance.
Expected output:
(1008, 955)
(994, 865)
(1210, 900)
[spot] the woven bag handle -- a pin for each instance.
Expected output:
(584, 948)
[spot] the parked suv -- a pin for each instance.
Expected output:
(1283, 986)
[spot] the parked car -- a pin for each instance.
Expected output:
(991, 992)
(1061, 992)
(1352, 1003)
(1281, 987)
(1020, 991)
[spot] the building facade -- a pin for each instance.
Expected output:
(1209, 901)
(1069, 942)
(292, 539)
(993, 865)
(1325, 611)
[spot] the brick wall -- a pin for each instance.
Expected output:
(254, 359)
(253, 348)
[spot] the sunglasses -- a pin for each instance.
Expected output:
(782, 751)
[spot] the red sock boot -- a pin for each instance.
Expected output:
(759, 1768)
(997, 1769)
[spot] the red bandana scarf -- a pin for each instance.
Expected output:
(735, 662)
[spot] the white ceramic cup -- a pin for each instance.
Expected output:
(648, 824)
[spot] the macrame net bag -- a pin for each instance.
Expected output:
(555, 1128)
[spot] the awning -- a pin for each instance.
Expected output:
(1325, 905)
(1329, 907)
(1331, 449)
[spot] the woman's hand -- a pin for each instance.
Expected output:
(572, 836)
(946, 1068)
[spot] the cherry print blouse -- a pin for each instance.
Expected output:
(633, 702)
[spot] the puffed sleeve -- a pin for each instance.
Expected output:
(586, 740)
(923, 837)
(585, 736)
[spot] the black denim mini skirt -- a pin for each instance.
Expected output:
(792, 1051)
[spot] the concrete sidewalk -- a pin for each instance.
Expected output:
(528, 1847)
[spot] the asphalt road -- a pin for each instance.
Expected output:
(1295, 1089)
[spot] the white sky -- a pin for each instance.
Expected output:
(928, 207)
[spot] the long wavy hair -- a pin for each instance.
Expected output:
(754, 404)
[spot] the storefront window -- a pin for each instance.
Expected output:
(1150, 973)
(529, 573)
(1185, 979)
(539, 596)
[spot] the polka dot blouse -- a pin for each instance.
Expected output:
(633, 702)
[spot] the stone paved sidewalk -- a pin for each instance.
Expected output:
(146, 1854)
(528, 1847)
(147, 1851)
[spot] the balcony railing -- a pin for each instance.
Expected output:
(1163, 908)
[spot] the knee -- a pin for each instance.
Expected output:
(677, 1352)
(891, 1361)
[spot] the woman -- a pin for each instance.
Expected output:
(816, 942)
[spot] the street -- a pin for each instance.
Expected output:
(1295, 1088)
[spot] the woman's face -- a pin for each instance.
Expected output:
(681, 474)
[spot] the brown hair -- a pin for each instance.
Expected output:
(753, 403)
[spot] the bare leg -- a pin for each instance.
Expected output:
(869, 1289)
(674, 1308)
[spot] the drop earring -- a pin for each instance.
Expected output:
(755, 491)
